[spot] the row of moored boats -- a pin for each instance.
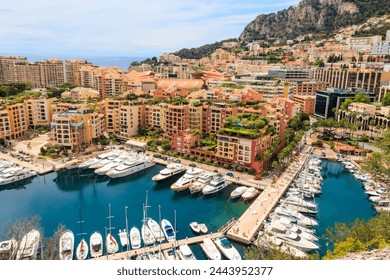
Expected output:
(115, 163)
(11, 172)
(289, 227)
(377, 194)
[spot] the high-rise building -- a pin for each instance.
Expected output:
(72, 71)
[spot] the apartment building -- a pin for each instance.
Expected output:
(17, 119)
(80, 94)
(130, 119)
(291, 73)
(5, 125)
(306, 103)
(367, 79)
(73, 129)
(87, 74)
(154, 116)
(175, 119)
(109, 82)
(52, 73)
(308, 88)
(213, 117)
(195, 117)
(72, 71)
(7, 67)
(39, 111)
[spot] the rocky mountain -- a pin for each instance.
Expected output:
(317, 17)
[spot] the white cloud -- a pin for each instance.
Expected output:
(137, 27)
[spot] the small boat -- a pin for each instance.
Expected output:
(238, 192)
(168, 230)
(135, 238)
(82, 250)
(155, 229)
(29, 244)
(111, 244)
(66, 245)
(72, 165)
(185, 253)
(374, 198)
(250, 193)
(210, 249)
(203, 228)
(227, 249)
(123, 238)
(96, 244)
(8, 249)
(195, 227)
(170, 171)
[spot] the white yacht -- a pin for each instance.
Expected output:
(16, 176)
(128, 168)
(295, 200)
(96, 244)
(135, 238)
(88, 163)
(187, 179)
(28, 247)
(168, 230)
(301, 219)
(237, 192)
(111, 165)
(210, 249)
(8, 249)
(66, 245)
(270, 241)
(201, 182)
(185, 253)
(294, 239)
(123, 237)
(100, 163)
(227, 249)
(155, 229)
(215, 185)
(82, 250)
(171, 170)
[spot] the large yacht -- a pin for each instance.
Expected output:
(15, 176)
(109, 166)
(187, 179)
(201, 182)
(131, 167)
(168, 172)
(215, 185)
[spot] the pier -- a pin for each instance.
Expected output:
(159, 247)
(247, 226)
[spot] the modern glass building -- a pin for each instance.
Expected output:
(327, 100)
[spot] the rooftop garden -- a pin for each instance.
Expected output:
(21, 96)
(245, 125)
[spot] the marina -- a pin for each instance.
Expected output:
(93, 190)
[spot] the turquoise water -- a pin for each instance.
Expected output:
(57, 197)
(342, 200)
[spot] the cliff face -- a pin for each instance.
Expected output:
(312, 17)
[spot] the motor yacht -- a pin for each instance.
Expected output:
(217, 184)
(96, 244)
(171, 254)
(155, 229)
(123, 238)
(66, 245)
(187, 180)
(29, 244)
(8, 249)
(135, 238)
(237, 192)
(168, 230)
(13, 177)
(170, 171)
(227, 249)
(250, 193)
(201, 182)
(185, 253)
(210, 249)
(128, 168)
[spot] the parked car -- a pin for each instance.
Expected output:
(177, 160)
(164, 158)
(157, 156)
(192, 164)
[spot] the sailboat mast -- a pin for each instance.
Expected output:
(109, 218)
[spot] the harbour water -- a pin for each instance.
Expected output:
(342, 200)
(57, 198)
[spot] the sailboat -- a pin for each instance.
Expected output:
(146, 233)
(111, 243)
(96, 243)
(82, 248)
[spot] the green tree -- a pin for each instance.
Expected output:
(361, 97)
(386, 99)
(345, 104)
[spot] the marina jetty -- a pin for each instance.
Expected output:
(247, 226)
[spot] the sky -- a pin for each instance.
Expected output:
(124, 27)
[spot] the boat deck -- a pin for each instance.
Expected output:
(248, 225)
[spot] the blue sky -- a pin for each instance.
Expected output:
(123, 27)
